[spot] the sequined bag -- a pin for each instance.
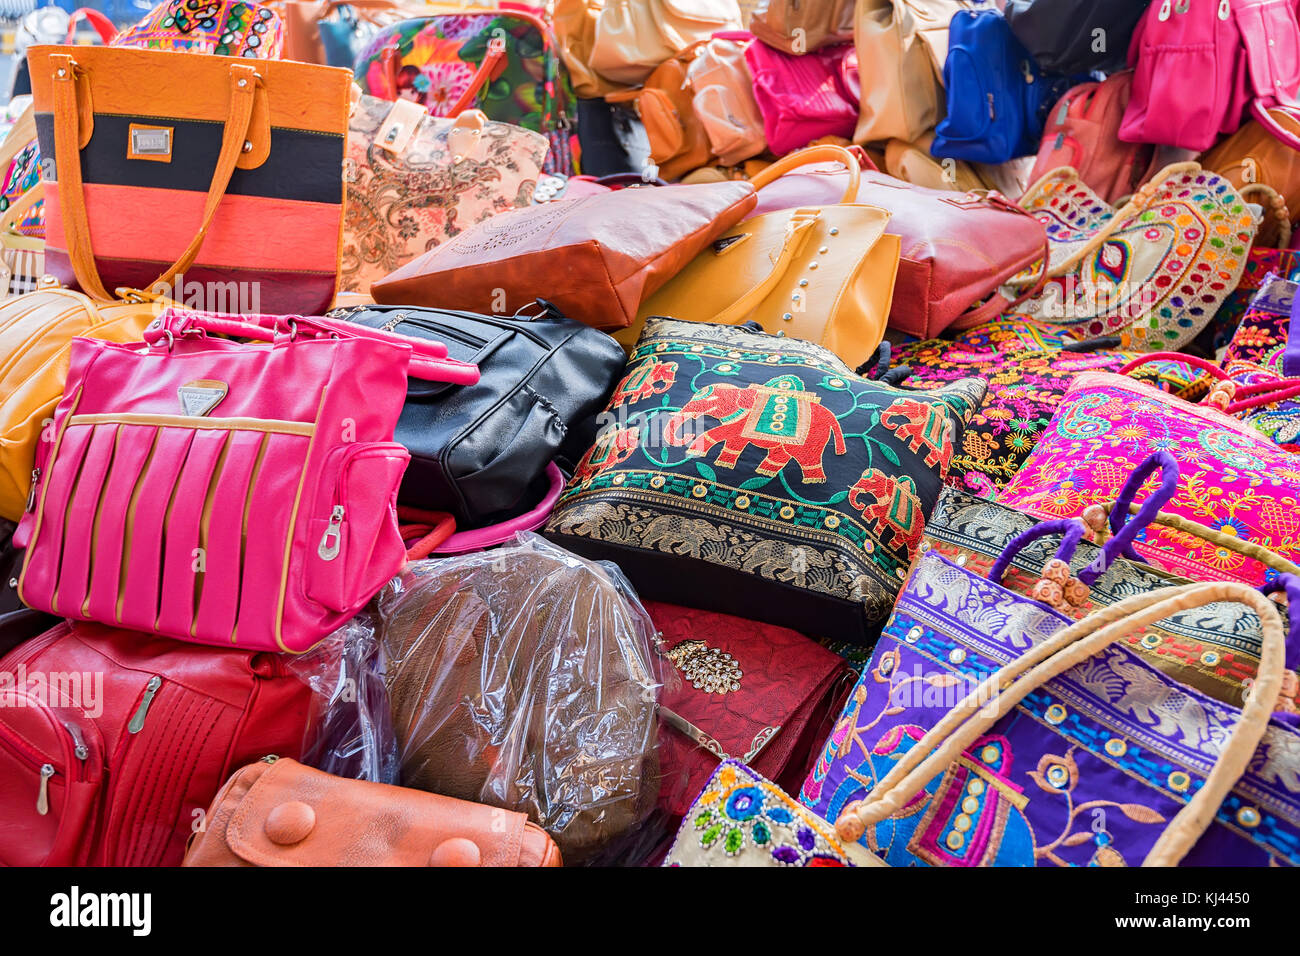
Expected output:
(1028, 367)
(991, 730)
(741, 818)
(1234, 479)
(1155, 270)
(1215, 650)
(757, 475)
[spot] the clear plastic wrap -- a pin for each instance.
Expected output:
(350, 733)
(523, 678)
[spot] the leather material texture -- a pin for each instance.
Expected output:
(805, 98)
(188, 492)
(597, 258)
(169, 723)
(724, 99)
(1254, 155)
(281, 813)
(36, 331)
(798, 26)
(476, 451)
(1083, 131)
(821, 274)
(632, 37)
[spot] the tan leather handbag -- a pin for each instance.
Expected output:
(724, 100)
(36, 331)
(678, 143)
(277, 812)
(1254, 155)
(824, 274)
(801, 26)
(902, 45)
(913, 163)
(574, 22)
(632, 37)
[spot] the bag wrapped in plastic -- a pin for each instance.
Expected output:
(522, 678)
(350, 733)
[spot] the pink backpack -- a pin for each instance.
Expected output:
(1083, 131)
(1200, 65)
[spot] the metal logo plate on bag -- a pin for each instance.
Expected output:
(200, 397)
(150, 142)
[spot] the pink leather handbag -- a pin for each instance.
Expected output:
(1201, 64)
(803, 98)
(221, 492)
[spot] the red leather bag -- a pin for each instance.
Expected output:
(762, 694)
(1083, 132)
(114, 743)
(957, 249)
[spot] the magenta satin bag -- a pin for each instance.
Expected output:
(220, 492)
(803, 98)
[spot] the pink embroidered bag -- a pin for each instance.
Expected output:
(1200, 65)
(220, 492)
(1233, 479)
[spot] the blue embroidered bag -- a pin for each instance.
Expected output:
(989, 729)
(998, 98)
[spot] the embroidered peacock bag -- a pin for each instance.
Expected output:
(1028, 367)
(991, 730)
(1155, 270)
(757, 475)
(1234, 479)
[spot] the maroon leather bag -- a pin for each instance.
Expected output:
(957, 248)
(762, 694)
(113, 743)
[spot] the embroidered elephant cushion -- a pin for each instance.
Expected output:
(756, 475)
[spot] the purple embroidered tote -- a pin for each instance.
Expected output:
(1085, 757)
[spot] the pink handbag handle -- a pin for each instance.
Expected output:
(429, 359)
(477, 539)
(1245, 397)
(1192, 360)
(1284, 136)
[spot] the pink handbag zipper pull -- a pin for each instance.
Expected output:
(330, 540)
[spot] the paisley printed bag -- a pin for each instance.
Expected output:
(503, 62)
(1028, 367)
(1234, 480)
(415, 181)
(1155, 270)
(1213, 649)
(991, 730)
(757, 475)
(741, 818)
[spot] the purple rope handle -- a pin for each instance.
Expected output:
(1072, 528)
(1291, 584)
(1124, 525)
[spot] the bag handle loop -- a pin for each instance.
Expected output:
(70, 102)
(970, 718)
(806, 157)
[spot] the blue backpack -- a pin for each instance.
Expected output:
(998, 98)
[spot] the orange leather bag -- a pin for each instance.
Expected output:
(596, 259)
(277, 812)
(678, 142)
(1254, 155)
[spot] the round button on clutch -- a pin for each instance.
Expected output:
(290, 823)
(458, 851)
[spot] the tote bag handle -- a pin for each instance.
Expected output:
(971, 718)
(806, 157)
(72, 118)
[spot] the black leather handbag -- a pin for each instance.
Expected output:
(1076, 36)
(480, 451)
(17, 621)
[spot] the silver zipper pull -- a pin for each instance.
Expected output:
(79, 742)
(31, 495)
(992, 114)
(137, 722)
(43, 795)
(270, 758)
(332, 538)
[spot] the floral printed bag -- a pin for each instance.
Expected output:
(757, 475)
(1028, 367)
(415, 181)
(1234, 480)
(991, 730)
(503, 62)
(1155, 270)
(1215, 650)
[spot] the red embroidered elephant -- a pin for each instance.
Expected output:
(780, 417)
(894, 504)
(613, 447)
(645, 380)
(921, 425)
